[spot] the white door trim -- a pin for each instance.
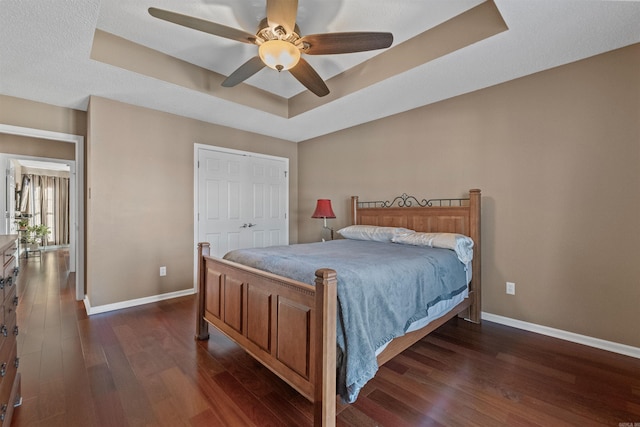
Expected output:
(196, 149)
(76, 202)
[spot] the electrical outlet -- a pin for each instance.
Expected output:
(163, 271)
(511, 288)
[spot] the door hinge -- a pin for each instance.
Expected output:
(285, 173)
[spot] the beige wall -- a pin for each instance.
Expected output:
(557, 156)
(35, 147)
(140, 209)
(29, 114)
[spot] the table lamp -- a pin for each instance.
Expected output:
(324, 211)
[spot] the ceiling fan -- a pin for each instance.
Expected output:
(280, 43)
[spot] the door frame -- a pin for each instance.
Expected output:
(76, 199)
(196, 201)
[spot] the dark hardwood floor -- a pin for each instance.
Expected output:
(142, 367)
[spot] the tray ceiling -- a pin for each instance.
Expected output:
(61, 52)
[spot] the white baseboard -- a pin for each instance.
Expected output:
(133, 302)
(614, 347)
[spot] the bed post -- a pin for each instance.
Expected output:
(354, 210)
(202, 330)
(324, 399)
(474, 233)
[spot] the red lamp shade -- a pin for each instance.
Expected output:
(323, 209)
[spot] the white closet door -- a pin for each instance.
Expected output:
(267, 211)
(242, 200)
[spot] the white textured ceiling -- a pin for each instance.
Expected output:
(45, 53)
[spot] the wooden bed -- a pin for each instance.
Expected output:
(290, 327)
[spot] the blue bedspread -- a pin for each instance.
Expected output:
(382, 289)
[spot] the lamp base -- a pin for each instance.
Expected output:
(330, 230)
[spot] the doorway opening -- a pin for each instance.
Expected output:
(39, 213)
(76, 194)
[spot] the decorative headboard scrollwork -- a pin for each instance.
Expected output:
(406, 201)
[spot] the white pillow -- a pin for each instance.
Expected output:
(461, 244)
(373, 232)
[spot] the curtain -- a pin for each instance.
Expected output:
(49, 205)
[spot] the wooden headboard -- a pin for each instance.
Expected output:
(433, 215)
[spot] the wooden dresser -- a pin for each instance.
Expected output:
(9, 361)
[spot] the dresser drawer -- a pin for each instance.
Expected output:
(6, 350)
(7, 386)
(9, 277)
(8, 315)
(8, 254)
(8, 334)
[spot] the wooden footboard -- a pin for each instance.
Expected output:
(289, 326)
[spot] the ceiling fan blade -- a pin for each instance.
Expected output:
(332, 43)
(203, 25)
(309, 78)
(245, 71)
(282, 12)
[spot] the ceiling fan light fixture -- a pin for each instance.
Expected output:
(279, 54)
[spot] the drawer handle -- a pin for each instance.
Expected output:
(4, 331)
(16, 363)
(2, 283)
(10, 281)
(15, 330)
(3, 369)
